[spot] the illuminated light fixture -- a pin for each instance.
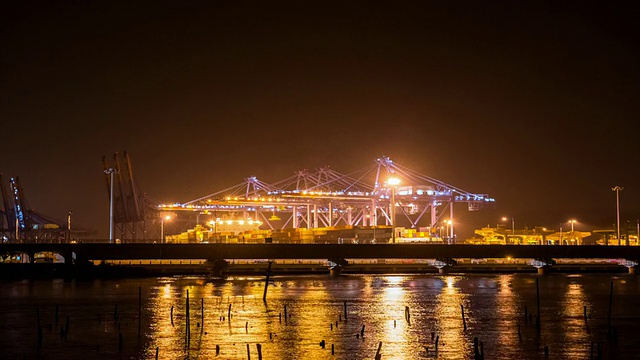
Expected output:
(229, 222)
(393, 181)
(241, 222)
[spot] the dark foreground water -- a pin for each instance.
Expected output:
(493, 305)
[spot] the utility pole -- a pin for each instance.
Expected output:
(110, 172)
(393, 182)
(617, 189)
(69, 223)
(560, 242)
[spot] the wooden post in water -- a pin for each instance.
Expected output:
(229, 313)
(345, 310)
(476, 351)
(378, 355)
(39, 325)
(139, 309)
(266, 283)
(202, 319)
(157, 351)
(188, 321)
(171, 315)
(538, 303)
(248, 353)
(259, 347)
(66, 328)
(464, 321)
(610, 306)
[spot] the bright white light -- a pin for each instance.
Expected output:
(393, 181)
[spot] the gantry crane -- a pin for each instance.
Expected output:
(326, 198)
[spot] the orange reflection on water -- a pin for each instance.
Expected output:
(392, 318)
(572, 313)
(507, 306)
(448, 316)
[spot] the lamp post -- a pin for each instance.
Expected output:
(513, 226)
(617, 189)
(393, 182)
(69, 223)
(450, 231)
(110, 172)
(162, 227)
(572, 235)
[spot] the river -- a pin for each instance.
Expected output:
(405, 313)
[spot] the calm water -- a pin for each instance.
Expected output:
(494, 306)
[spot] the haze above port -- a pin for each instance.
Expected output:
(533, 104)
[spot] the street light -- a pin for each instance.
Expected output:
(162, 227)
(110, 172)
(450, 233)
(617, 189)
(69, 224)
(513, 225)
(572, 238)
(393, 182)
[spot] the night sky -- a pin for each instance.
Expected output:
(534, 104)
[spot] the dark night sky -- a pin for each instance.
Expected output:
(532, 103)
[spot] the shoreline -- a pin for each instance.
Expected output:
(90, 271)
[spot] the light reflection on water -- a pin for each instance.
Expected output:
(493, 306)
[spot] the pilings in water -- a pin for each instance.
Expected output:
(188, 321)
(610, 307)
(378, 355)
(345, 310)
(538, 303)
(464, 321)
(139, 309)
(266, 282)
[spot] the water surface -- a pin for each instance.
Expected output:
(405, 313)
